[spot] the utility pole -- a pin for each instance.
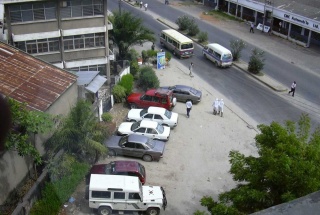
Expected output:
(266, 2)
(106, 41)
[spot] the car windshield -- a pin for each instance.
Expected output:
(168, 114)
(143, 111)
(193, 91)
(150, 144)
(135, 126)
(123, 140)
(160, 128)
(227, 57)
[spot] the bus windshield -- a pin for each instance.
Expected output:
(187, 46)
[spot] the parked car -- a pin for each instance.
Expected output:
(146, 128)
(136, 146)
(157, 98)
(184, 93)
(157, 114)
(130, 168)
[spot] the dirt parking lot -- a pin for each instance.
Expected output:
(195, 161)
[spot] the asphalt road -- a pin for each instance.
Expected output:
(261, 103)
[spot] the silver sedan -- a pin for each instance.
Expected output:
(184, 93)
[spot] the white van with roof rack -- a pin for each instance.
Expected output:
(218, 54)
(109, 193)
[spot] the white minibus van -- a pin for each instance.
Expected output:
(218, 54)
(177, 43)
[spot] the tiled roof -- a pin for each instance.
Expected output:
(28, 79)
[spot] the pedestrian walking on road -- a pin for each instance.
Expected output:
(221, 104)
(251, 27)
(293, 88)
(141, 3)
(189, 107)
(215, 106)
(145, 6)
(191, 69)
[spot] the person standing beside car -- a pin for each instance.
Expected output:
(189, 107)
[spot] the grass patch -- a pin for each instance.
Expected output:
(222, 15)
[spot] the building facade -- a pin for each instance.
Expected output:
(297, 21)
(70, 34)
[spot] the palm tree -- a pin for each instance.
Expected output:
(78, 134)
(127, 31)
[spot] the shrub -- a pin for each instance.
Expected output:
(148, 78)
(256, 62)
(134, 68)
(168, 56)
(106, 117)
(202, 37)
(56, 193)
(132, 55)
(145, 57)
(183, 22)
(127, 82)
(236, 47)
(119, 93)
(152, 53)
(193, 28)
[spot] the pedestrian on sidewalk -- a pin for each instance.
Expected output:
(189, 107)
(293, 88)
(152, 47)
(141, 3)
(215, 106)
(191, 69)
(251, 27)
(221, 105)
(145, 6)
(166, 2)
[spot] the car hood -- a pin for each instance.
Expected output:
(134, 114)
(134, 97)
(158, 146)
(112, 141)
(152, 194)
(125, 127)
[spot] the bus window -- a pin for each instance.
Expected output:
(187, 46)
(175, 44)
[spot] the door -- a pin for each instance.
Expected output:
(148, 116)
(119, 201)
(128, 149)
(152, 133)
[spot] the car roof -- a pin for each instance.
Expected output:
(123, 166)
(156, 110)
(185, 87)
(148, 124)
(137, 138)
(159, 92)
(100, 182)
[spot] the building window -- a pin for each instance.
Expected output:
(80, 8)
(101, 68)
(39, 46)
(32, 12)
(83, 41)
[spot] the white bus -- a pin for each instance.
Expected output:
(218, 54)
(177, 43)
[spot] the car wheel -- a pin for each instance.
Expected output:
(204, 55)
(174, 101)
(112, 152)
(147, 158)
(133, 106)
(104, 211)
(153, 211)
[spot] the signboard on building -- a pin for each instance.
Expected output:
(161, 60)
(265, 28)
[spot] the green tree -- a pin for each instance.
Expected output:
(26, 123)
(287, 168)
(256, 62)
(236, 48)
(183, 22)
(79, 134)
(127, 82)
(119, 93)
(128, 30)
(148, 78)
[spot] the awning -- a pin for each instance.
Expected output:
(96, 84)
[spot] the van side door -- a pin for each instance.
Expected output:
(119, 200)
(134, 202)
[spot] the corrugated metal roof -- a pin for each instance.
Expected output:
(28, 79)
(85, 77)
(96, 84)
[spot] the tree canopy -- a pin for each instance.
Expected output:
(24, 123)
(128, 30)
(287, 168)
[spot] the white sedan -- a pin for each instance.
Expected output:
(157, 114)
(146, 128)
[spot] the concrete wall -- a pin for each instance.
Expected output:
(14, 168)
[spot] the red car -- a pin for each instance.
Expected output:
(154, 97)
(130, 168)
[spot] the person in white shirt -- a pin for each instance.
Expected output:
(145, 6)
(293, 88)
(215, 106)
(221, 104)
(189, 107)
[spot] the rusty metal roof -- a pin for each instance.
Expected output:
(30, 80)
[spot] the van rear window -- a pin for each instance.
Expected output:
(101, 194)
